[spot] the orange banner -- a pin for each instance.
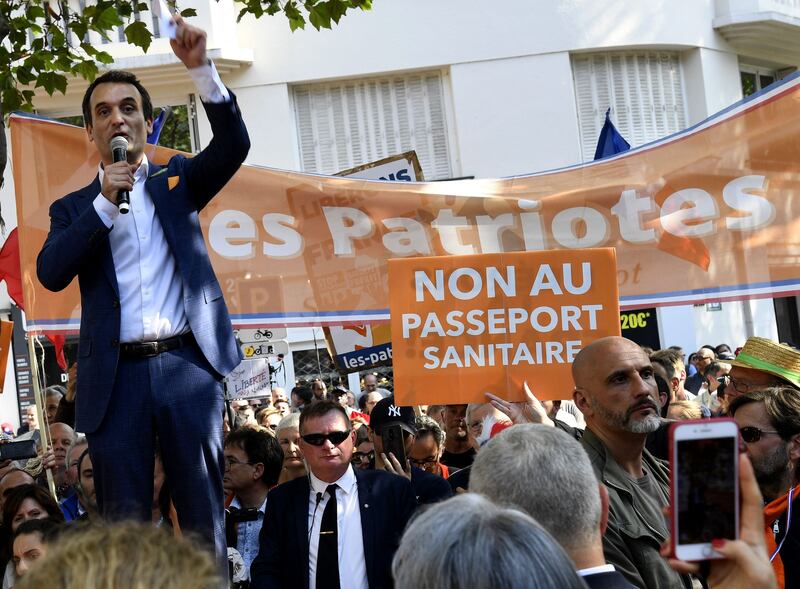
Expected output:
(710, 214)
(6, 331)
(466, 325)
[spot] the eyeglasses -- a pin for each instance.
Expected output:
(231, 462)
(360, 457)
(752, 434)
(426, 464)
(740, 386)
(335, 438)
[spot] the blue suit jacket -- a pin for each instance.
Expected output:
(78, 245)
(386, 502)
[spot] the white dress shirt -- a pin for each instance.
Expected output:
(352, 566)
(150, 290)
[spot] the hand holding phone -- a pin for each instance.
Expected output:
(394, 442)
(704, 498)
(746, 562)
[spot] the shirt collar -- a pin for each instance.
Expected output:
(347, 482)
(141, 172)
(236, 504)
(603, 568)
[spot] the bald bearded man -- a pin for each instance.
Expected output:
(616, 391)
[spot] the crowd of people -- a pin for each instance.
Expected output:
(326, 488)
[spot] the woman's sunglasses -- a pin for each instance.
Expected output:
(336, 438)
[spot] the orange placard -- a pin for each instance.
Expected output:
(466, 325)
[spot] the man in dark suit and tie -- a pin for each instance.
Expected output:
(338, 528)
(155, 336)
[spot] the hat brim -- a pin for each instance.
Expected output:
(777, 373)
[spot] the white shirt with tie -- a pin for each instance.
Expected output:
(352, 564)
(151, 296)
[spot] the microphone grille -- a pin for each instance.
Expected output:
(119, 142)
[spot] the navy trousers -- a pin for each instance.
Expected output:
(175, 398)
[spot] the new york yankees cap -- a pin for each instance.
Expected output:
(386, 413)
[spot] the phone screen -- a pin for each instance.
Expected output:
(393, 442)
(706, 489)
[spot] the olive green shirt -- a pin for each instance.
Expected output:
(636, 524)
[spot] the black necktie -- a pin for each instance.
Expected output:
(328, 551)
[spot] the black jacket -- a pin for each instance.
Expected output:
(386, 502)
(429, 488)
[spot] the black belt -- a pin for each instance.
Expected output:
(150, 349)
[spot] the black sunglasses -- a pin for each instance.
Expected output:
(336, 438)
(752, 434)
(360, 457)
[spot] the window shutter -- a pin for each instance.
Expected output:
(644, 90)
(348, 123)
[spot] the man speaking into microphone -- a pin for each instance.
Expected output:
(155, 336)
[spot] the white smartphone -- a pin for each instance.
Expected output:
(704, 498)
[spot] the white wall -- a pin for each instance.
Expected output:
(514, 116)
(9, 408)
(711, 80)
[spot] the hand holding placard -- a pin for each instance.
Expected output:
(530, 410)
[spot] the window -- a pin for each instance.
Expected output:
(345, 124)
(644, 90)
(755, 79)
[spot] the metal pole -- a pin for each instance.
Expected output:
(44, 427)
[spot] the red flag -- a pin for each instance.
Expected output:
(11, 273)
(58, 344)
(10, 269)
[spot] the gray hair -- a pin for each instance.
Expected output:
(467, 541)
(427, 424)
(54, 390)
(288, 422)
(80, 440)
(547, 474)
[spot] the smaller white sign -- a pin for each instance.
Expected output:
(259, 336)
(257, 350)
(249, 379)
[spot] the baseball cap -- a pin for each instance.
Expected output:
(386, 413)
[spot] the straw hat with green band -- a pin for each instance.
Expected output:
(762, 354)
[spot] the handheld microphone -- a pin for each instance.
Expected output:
(119, 152)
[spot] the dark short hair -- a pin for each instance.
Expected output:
(304, 394)
(320, 408)
(722, 348)
(46, 528)
(17, 495)
(782, 404)
(116, 77)
(259, 447)
(663, 387)
(712, 369)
